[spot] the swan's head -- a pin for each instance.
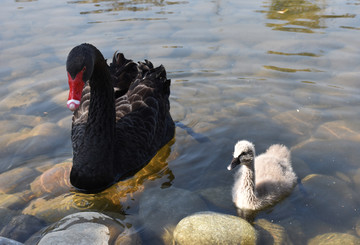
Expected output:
(244, 153)
(79, 66)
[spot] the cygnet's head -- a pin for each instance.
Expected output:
(244, 153)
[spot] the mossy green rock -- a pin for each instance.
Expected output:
(214, 228)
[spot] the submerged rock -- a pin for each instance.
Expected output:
(340, 129)
(7, 241)
(15, 201)
(270, 231)
(218, 196)
(340, 155)
(6, 215)
(11, 180)
(160, 208)
(214, 228)
(54, 181)
(334, 239)
(56, 197)
(21, 227)
(89, 228)
(330, 198)
(300, 122)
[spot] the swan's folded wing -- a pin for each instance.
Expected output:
(123, 73)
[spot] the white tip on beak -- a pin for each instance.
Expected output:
(73, 104)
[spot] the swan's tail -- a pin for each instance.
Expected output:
(157, 75)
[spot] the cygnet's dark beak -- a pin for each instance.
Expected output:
(233, 163)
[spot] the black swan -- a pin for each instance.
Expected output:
(120, 119)
(262, 181)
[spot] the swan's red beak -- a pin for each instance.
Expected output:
(76, 86)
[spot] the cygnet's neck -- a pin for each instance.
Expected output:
(246, 194)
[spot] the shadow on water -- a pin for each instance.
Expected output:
(200, 138)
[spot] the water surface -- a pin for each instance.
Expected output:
(267, 71)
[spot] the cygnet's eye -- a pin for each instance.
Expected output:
(247, 153)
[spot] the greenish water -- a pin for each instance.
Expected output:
(267, 71)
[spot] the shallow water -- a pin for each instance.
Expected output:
(267, 71)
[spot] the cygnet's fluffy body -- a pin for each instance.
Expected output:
(262, 181)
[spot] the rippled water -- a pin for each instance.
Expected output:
(268, 71)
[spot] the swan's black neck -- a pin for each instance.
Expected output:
(102, 108)
(94, 156)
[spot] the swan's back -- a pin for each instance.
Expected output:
(274, 174)
(143, 120)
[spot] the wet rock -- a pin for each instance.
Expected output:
(51, 210)
(330, 199)
(14, 179)
(60, 97)
(300, 167)
(21, 227)
(279, 110)
(20, 98)
(128, 237)
(214, 228)
(6, 215)
(271, 232)
(357, 227)
(88, 228)
(11, 200)
(339, 130)
(7, 241)
(246, 107)
(18, 147)
(160, 208)
(65, 123)
(218, 196)
(9, 126)
(300, 122)
(328, 157)
(334, 239)
(27, 120)
(54, 181)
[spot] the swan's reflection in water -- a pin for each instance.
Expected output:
(53, 197)
(125, 192)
